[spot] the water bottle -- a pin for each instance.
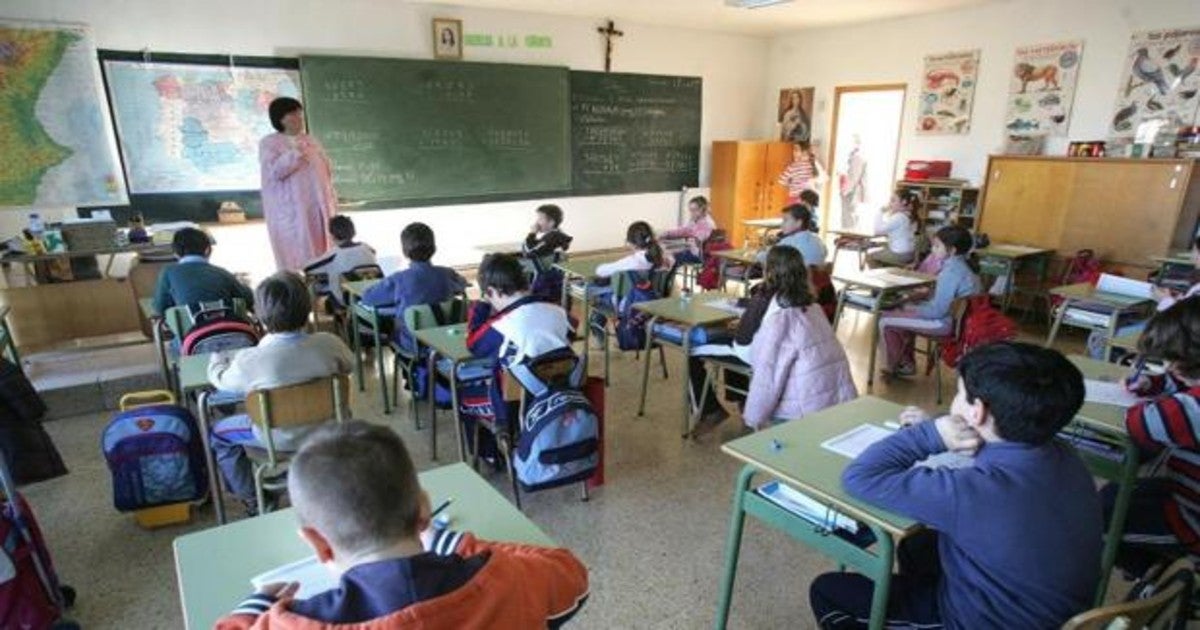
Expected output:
(37, 227)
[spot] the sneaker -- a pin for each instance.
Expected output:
(900, 371)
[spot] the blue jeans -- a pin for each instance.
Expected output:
(229, 439)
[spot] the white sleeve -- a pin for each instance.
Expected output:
(628, 263)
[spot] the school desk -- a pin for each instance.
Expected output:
(878, 288)
(747, 257)
(1084, 292)
(803, 464)
(1128, 342)
(1002, 260)
(192, 377)
(214, 567)
(854, 241)
(500, 248)
(450, 342)
(1175, 271)
(760, 227)
(1109, 421)
(688, 313)
(584, 270)
(370, 316)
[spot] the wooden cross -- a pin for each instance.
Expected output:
(609, 32)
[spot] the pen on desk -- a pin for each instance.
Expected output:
(445, 504)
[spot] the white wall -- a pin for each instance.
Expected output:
(733, 68)
(893, 52)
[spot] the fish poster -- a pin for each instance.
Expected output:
(947, 93)
(1041, 89)
(1160, 81)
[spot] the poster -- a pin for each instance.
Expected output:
(948, 92)
(1041, 89)
(795, 114)
(1159, 81)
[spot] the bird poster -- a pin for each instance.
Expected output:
(947, 93)
(1160, 81)
(1041, 89)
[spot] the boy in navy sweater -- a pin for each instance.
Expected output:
(193, 279)
(1015, 539)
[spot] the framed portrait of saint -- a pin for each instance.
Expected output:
(447, 38)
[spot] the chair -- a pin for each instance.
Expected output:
(417, 317)
(361, 272)
(711, 365)
(933, 345)
(661, 280)
(318, 294)
(177, 322)
(1162, 603)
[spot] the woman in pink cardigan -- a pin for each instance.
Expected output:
(799, 366)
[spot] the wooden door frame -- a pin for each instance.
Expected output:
(830, 166)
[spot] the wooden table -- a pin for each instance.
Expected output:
(803, 464)
(583, 269)
(747, 256)
(688, 313)
(1001, 260)
(880, 285)
(450, 342)
(214, 566)
(1083, 292)
(855, 241)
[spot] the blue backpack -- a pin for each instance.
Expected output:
(559, 438)
(156, 457)
(631, 322)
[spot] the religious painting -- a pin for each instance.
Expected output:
(447, 38)
(947, 93)
(1041, 89)
(795, 114)
(1160, 81)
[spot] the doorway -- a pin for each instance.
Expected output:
(866, 141)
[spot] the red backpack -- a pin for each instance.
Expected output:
(1082, 267)
(982, 324)
(711, 272)
(217, 326)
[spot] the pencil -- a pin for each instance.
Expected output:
(445, 504)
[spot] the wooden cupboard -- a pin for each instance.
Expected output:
(745, 177)
(1127, 210)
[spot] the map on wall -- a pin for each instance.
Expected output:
(57, 146)
(189, 127)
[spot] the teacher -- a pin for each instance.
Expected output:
(297, 187)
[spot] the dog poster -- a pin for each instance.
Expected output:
(1160, 81)
(947, 93)
(1042, 89)
(795, 114)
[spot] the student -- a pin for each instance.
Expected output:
(898, 222)
(287, 355)
(1167, 297)
(956, 279)
(346, 255)
(421, 283)
(1163, 518)
(1012, 541)
(810, 198)
(647, 254)
(803, 173)
(797, 233)
(193, 279)
(361, 508)
(697, 230)
(546, 237)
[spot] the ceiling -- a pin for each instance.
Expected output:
(714, 15)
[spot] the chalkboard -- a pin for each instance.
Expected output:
(406, 130)
(634, 132)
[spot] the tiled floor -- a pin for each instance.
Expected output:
(652, 537)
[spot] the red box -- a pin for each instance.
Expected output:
(924, 169)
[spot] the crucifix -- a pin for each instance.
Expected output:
(609, 32)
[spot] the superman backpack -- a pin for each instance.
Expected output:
(156, 457)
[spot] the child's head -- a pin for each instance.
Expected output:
(501, 278)
(698, 207)
(952, 240)
(282, 302)
(341, 228)
(810, 198)
(191, 242)
(1017, 392)
(801, 150)
(356, 492)
(549, 217)
(640, 236)
(906, 201)
(1174, 336)
(416, 240)
(797, 217)
(786, 275)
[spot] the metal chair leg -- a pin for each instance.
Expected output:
(662, 359)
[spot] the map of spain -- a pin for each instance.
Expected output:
(56, 142)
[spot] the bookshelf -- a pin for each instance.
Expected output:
(945, 202)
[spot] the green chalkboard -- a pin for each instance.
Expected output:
(406, 130)
(634, 132)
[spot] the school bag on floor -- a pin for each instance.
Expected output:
(558, 442)
(982, 324)
(155, 454)
(217, 326)
(631, 322)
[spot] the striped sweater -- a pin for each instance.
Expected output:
(1171, 420)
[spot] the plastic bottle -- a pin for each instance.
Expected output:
(36, 226)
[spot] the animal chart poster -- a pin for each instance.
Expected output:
(947, 93)
(1160, 81)
(1042, 88)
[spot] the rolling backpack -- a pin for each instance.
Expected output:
(216, 326)
(155, 454)
(559, 438)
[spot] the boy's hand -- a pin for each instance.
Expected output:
(957, 435)
(1136, 383)
(913, 415)
(280, 590)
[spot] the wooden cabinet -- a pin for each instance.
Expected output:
(744, 183)
(1127, 210)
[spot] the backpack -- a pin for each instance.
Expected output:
(156, 457)
(631, 322)
(30, 593)
(1084, 266)
(982, 324)
(216, 326)
(559, 438)
(710, 274)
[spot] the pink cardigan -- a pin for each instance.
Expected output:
(799, 367)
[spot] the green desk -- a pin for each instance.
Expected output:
(1181, 262)
(689, 313)
(513, 248)
(583, 269)
(1074, 294)
(370, 316)
(804, 465)
(881, 287)
(1002, 260)
(747, 256)
(450, 342)
(214, 566)
(1128, 342)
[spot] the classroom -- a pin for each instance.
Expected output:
(603, 314)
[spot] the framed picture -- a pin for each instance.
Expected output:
(447, 38)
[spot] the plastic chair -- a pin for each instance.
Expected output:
(933, 345)
(660, 279)
(361, 272)
(418, 317)
(1161, 603)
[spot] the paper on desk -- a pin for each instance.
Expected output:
(853, 442)
(313, 577)
(1124, 286)
(1107, 393)
(728, 305)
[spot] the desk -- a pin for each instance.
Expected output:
(370, 315)
(747, 256)
(450, 342)
(690, 313)
(804, 465)
(1128, 342)
(1002, 260)
(146, 306)
(1084, 292)
(854, 241)
(214, 567)
(501, 248)
(882, 285)
(585, 270)
(1176, 271)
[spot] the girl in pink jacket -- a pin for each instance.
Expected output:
(696, 231)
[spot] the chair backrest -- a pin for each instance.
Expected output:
(363, 272)
(1163, 604)
(179, 320)
(310, 402)
(558, 369)
(419, 316)
(958, 313)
